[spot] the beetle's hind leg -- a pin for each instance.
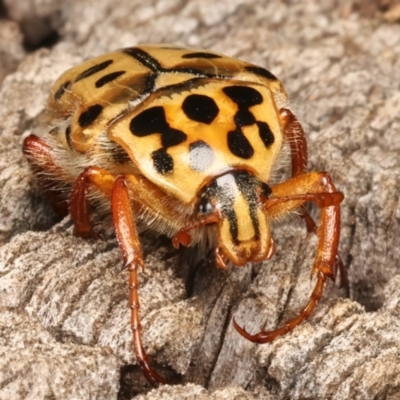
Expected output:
(287, 196)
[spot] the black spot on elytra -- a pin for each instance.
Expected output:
(108, 78)
(61, 90)
(172, 137)
(262, 72)
(265, 133)
(148, 121)
(200, 108)
(162, 161)
(201, 155)
(201, 54)
(92, 70)
(243, 96)
(246, 97)
(90, 115)
(244, 117)
(239, 145)
(153, 121)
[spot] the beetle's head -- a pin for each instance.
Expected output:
(243, 227)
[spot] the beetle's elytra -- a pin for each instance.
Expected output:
(187, 140)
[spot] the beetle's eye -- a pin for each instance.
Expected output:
(205, 206)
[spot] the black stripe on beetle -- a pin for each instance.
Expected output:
(200, 108)
(233, 223)
(90, 115)
(245, 181)
(201, 54)
(151, 63)
(108, 78)
(227, 207)
(262, 72)
(93, 70)
(144, 58)
(61, 90)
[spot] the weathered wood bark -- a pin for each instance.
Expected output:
(64, 321)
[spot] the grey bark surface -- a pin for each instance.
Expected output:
(64, 318)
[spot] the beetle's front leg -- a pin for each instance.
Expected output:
(287, 196)
(125, 228)
(318, 188)
(117, 191)
(183, 237)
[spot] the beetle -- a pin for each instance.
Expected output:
(184, 141)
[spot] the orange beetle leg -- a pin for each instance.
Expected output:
(296, 138)
(220, 259)
(78, 204)
(42, 162)
(123, 191)
(269, 336)
(183, 236)
(125, 228)
(287, 196)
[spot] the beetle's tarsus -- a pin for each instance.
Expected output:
(269, 336)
